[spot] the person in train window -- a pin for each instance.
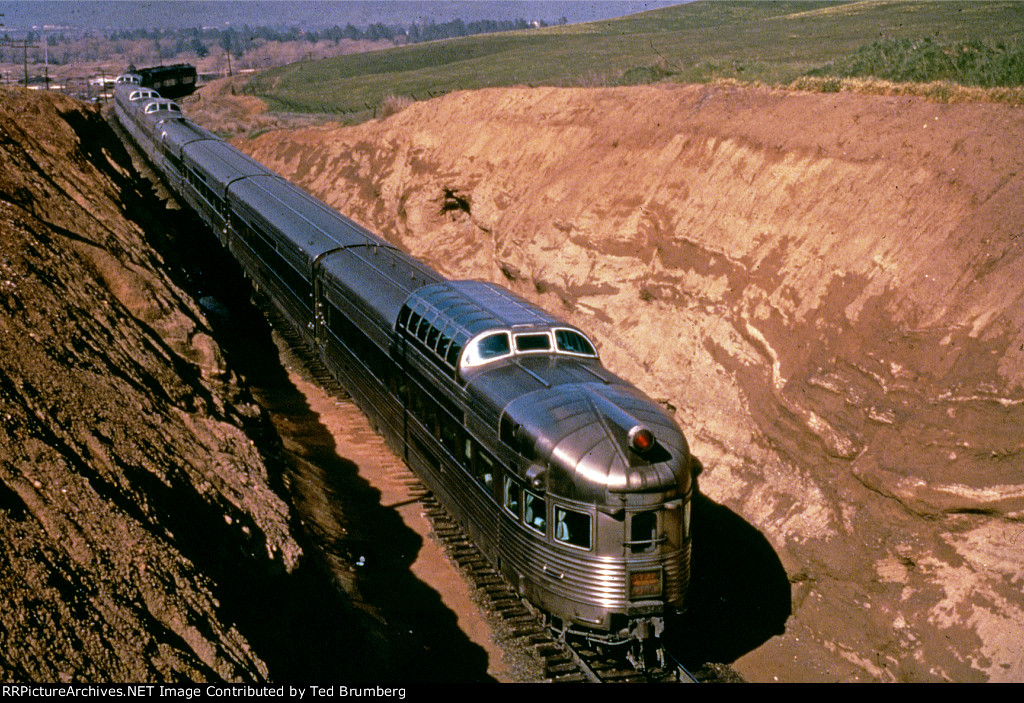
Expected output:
(512, 496)
(534, 512)
(572, 527)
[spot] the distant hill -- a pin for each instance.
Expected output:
(769, 42)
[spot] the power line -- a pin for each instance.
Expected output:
(24, 46)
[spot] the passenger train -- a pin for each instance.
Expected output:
(572, 482)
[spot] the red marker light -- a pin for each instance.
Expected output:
(641, 439)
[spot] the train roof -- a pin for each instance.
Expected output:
(389, 274)
(466, 324)
(162, 107)
(216, 161)
(283, 207)
(131, 96)
(176, 134)
(133, 92)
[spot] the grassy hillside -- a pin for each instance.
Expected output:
(770, 42)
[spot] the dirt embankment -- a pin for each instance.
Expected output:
(827, 289)
(144, 526)
(129, 480)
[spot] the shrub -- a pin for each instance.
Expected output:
(393, 104)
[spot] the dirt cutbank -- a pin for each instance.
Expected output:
(144, 519)
(144, 536)
(826, 288)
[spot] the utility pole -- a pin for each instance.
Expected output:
(24, 46)
(5, 72)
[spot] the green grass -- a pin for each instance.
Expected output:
(774, 43)
(972, 63)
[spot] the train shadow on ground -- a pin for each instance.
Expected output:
(397, 626)
(334, 618)
(389, 625)
(739, 592)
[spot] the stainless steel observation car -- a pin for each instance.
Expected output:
(573, 483)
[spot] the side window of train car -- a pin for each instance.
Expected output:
(205, 192)
(431, 337)
(444, 341)
(356, 340)
(413, 323)
(451, 434)
(454, 350)
(397, 385)
(424, 328)
(571, 342)
(485, 466)
(266, 246)
(643, 531)
(572, 527)
(511, 434)
(535, 512)
(437, 341)
(173, 158)
(511, 494)
(425, 408)
(479, 463)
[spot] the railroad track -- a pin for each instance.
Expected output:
(563, 660)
